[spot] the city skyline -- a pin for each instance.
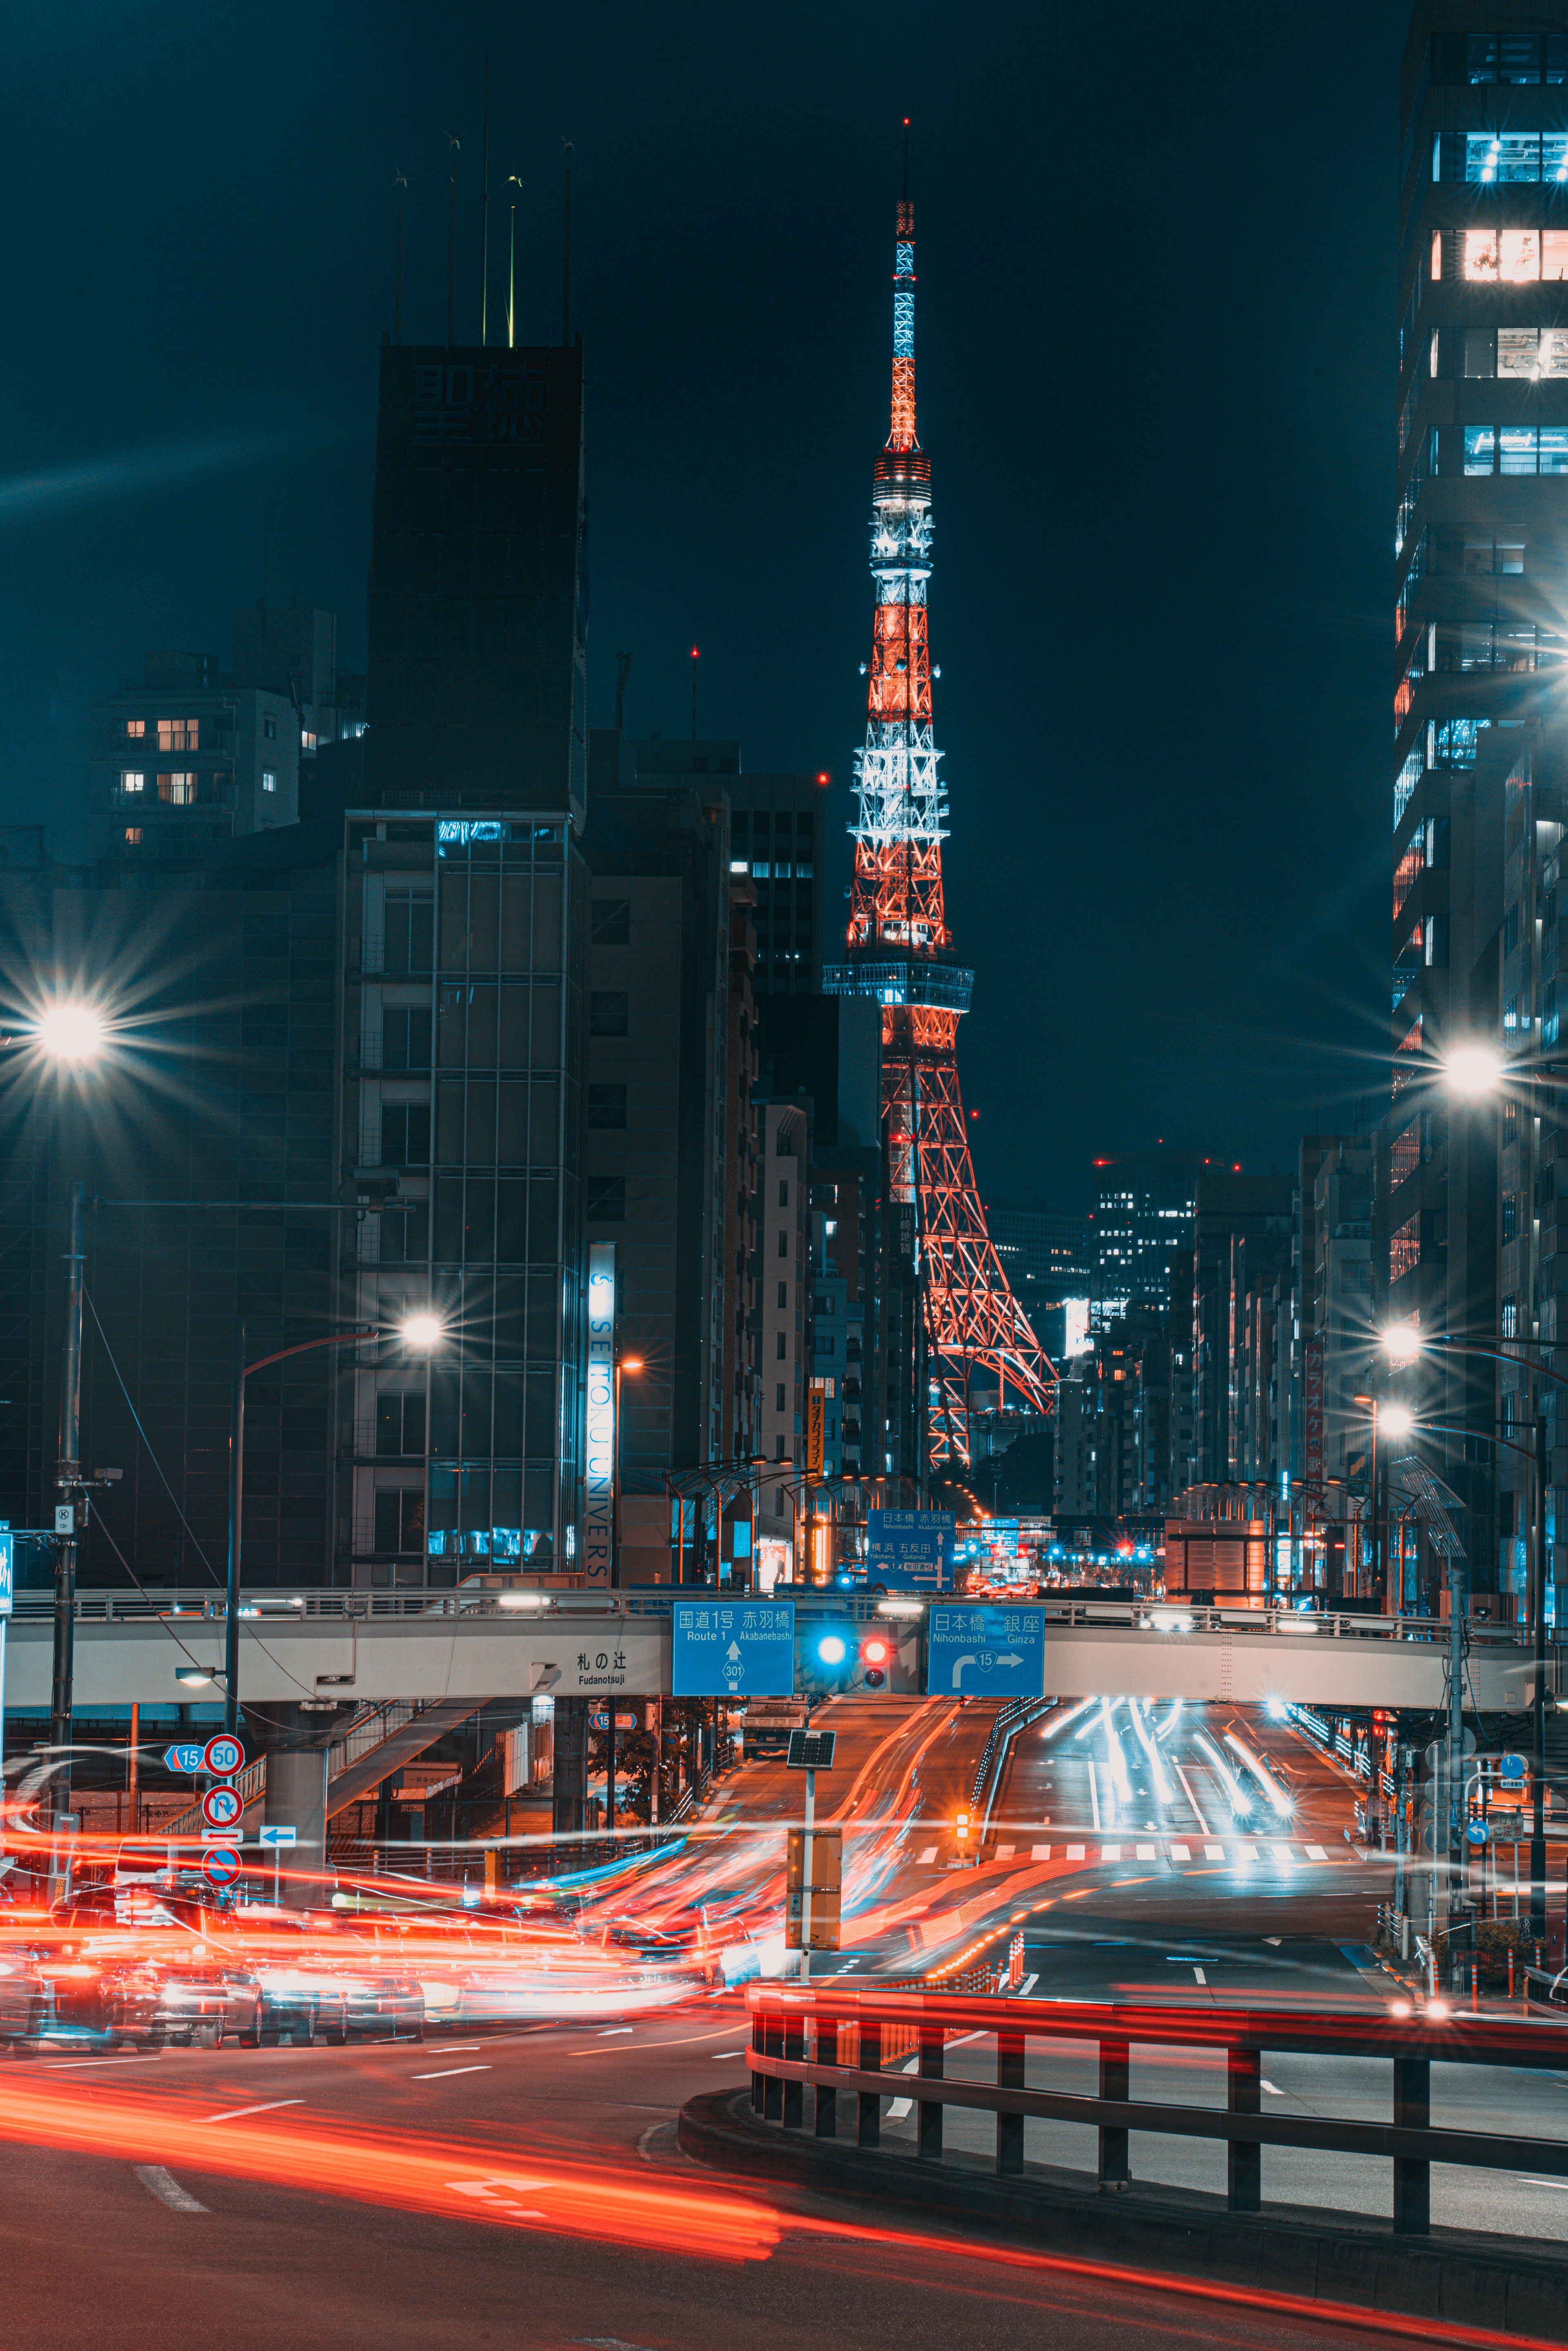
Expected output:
(275, 483)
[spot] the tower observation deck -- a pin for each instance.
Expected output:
(900, 950)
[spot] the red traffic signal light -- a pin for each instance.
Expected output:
(876, 1656)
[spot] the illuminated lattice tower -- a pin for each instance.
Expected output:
(901, 949)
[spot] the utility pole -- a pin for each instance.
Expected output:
(69, 1485)
(1538, 1706)
(236, 1491)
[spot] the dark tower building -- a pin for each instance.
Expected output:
(475, 694)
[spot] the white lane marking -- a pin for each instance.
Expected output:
(1181, 1853)
(1110, 1853)
(1027, 1985)
(608, 2343)
(958, 2043)
(232, 2113)
(76, 2064)
(1075, 1853)
(448, 2071)
(902, 2106)
(1200, 1974)
(1005, 1852)
(1145, 1853)
(1281, 1853)
(1314, 1853)
(719, 2054)
(167, 2190)
(1094, 1792)
(1268, 2086)
(1039, 1852)
(1214, 1852)
(926, 1854)
(608, 2034)
(1192, 1799)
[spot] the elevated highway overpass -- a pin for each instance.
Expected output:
(419, 1646)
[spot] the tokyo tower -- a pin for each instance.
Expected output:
(901, 949)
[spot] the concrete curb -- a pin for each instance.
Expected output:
(1519, 2288)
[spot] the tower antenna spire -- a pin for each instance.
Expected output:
(454, 148)
(906, 159)
(397, 313)
(484, 219)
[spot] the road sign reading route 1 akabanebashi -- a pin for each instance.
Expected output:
(743, 1648)
(980, 1652)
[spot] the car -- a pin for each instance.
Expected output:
(99, 1998)
(24, 2002)
(204, 2001)
(389, 2002)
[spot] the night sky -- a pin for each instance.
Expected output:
(1156, 366)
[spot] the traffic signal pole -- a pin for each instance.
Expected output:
(806, 1878)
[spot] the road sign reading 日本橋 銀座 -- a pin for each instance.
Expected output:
(978, 1652)
(733, 1648)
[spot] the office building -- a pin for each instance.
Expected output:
(1045, 1254)
(191, 755)
(1142, 1218)
(776, 836)
(476, 691)
(1233, 1214)
(664, 1137)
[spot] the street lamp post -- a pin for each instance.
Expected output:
(67, 1476)
(1403, 1344)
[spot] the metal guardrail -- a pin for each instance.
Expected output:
(834, 2039)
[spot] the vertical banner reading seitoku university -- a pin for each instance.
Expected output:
(599, 1448)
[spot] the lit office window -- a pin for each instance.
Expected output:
(133, 780)
(136, 727)
(134, 836)
(1517, 448)
(268, 780)
(179, 734)
(1404, 1248)
(1520, 255)
(1437, 254)
(178, 790)
(306, 739)
(1481, 256)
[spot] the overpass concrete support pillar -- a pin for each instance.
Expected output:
(294, 1744)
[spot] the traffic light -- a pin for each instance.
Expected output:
(832, 1650)
(876, 1657)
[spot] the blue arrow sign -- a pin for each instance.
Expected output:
(972, 1652)
(741, 1648)
(276, 1832)
(183, 1759)
(1477, 1832)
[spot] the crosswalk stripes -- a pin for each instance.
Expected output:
(1237, 1853)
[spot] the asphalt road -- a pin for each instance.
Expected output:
(523, 2188)
(523, 2191)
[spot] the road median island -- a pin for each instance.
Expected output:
(1512, 2287)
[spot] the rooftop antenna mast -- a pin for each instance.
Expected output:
(512, 182)
(485, 218)
(566, 254)
(453, 147)
(397, 331)
(694, 659)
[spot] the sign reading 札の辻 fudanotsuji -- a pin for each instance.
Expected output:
(910, 1551)
(741, 1648)
(979, 1651)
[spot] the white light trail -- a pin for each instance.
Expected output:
(1277, 1795)
(1240, 1801)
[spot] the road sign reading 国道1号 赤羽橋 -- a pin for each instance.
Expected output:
(980, 1652)
(733, 1648)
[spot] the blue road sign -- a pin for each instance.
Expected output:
(276, 1832)
(8, 1569)
(1477, 1832)
(985, 1652)
(1510, 1770)
(184, 1757)
(910, 1549)
(733, 1648)
(222, 1866)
